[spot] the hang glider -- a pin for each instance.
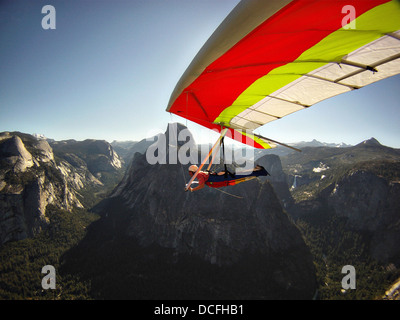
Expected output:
(225, 178)
(270, 58)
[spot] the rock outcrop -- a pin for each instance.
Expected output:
(15, 155)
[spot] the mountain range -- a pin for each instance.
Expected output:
(359, 183)
(281, 237)
(35, 174)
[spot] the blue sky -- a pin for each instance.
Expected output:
(108, 69)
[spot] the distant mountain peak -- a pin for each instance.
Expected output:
(371, 142)
(174, 137)
(316, 143)
(39, 136)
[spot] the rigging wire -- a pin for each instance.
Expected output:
(230, 194)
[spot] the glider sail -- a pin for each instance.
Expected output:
(270, 58)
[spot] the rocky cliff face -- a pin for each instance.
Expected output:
(218, 228)
(97, 156)
(370, 203)
(277, 178)
(31, 179)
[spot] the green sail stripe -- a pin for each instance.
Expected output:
(261, 142)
